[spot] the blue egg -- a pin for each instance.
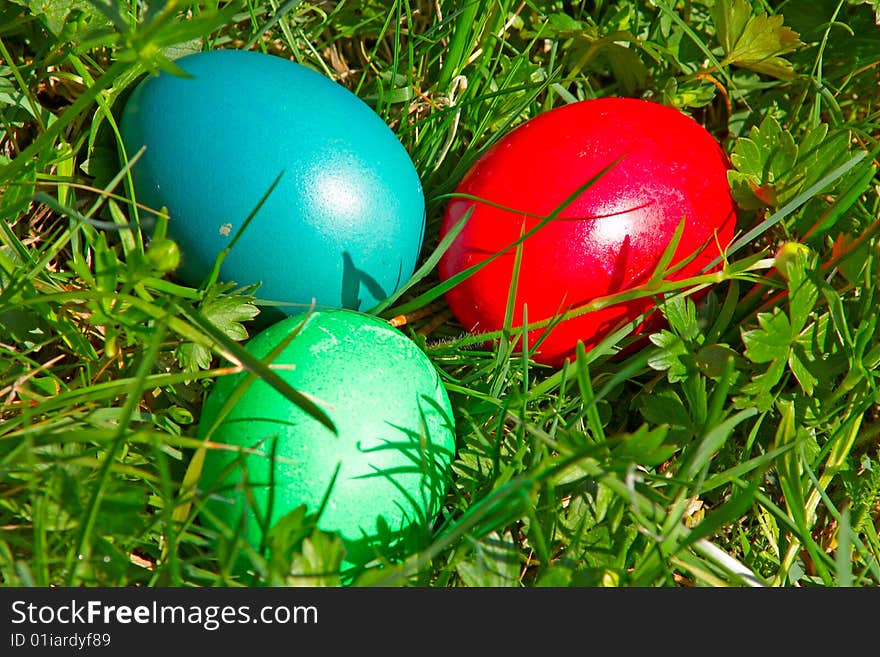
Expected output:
(344, 224)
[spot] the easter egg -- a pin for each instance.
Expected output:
(663, 167)
(343, 225)
(378, 481)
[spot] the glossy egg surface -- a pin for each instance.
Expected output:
(664, 167)
(381, 477)
(345, 223)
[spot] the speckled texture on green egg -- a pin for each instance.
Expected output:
(394, 445)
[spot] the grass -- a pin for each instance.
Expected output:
(739, 446)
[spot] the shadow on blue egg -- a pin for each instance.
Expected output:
(354, 279)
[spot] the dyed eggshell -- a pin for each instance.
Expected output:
(394, 444)
(608, 239)
(345, 224)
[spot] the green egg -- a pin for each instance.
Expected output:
(383, 475)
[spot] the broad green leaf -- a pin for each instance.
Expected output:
(711, 360)
(555, 576)
(764, 164)
(769, 342)
(689, 94)
(563, 23)
(731, 18)
(645, 446)
(668, 357)
(620, 20)
(193, 357)
(59, 15)
(746, 157)
(760, 44)
(317, 563)
(289, 531)
(813, 139)
(798, 362)
(802, 290)
(582, 515)
(681, 313)
(10, 96)
(494, 563)
(777, 145)
(227, 313)
(748, 194)
(761, 385)
(665, 407)
(819, 339)
(626, 66)
(747, 176)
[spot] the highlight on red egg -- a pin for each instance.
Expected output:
(644, 168)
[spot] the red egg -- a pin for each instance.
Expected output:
(610, 238)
